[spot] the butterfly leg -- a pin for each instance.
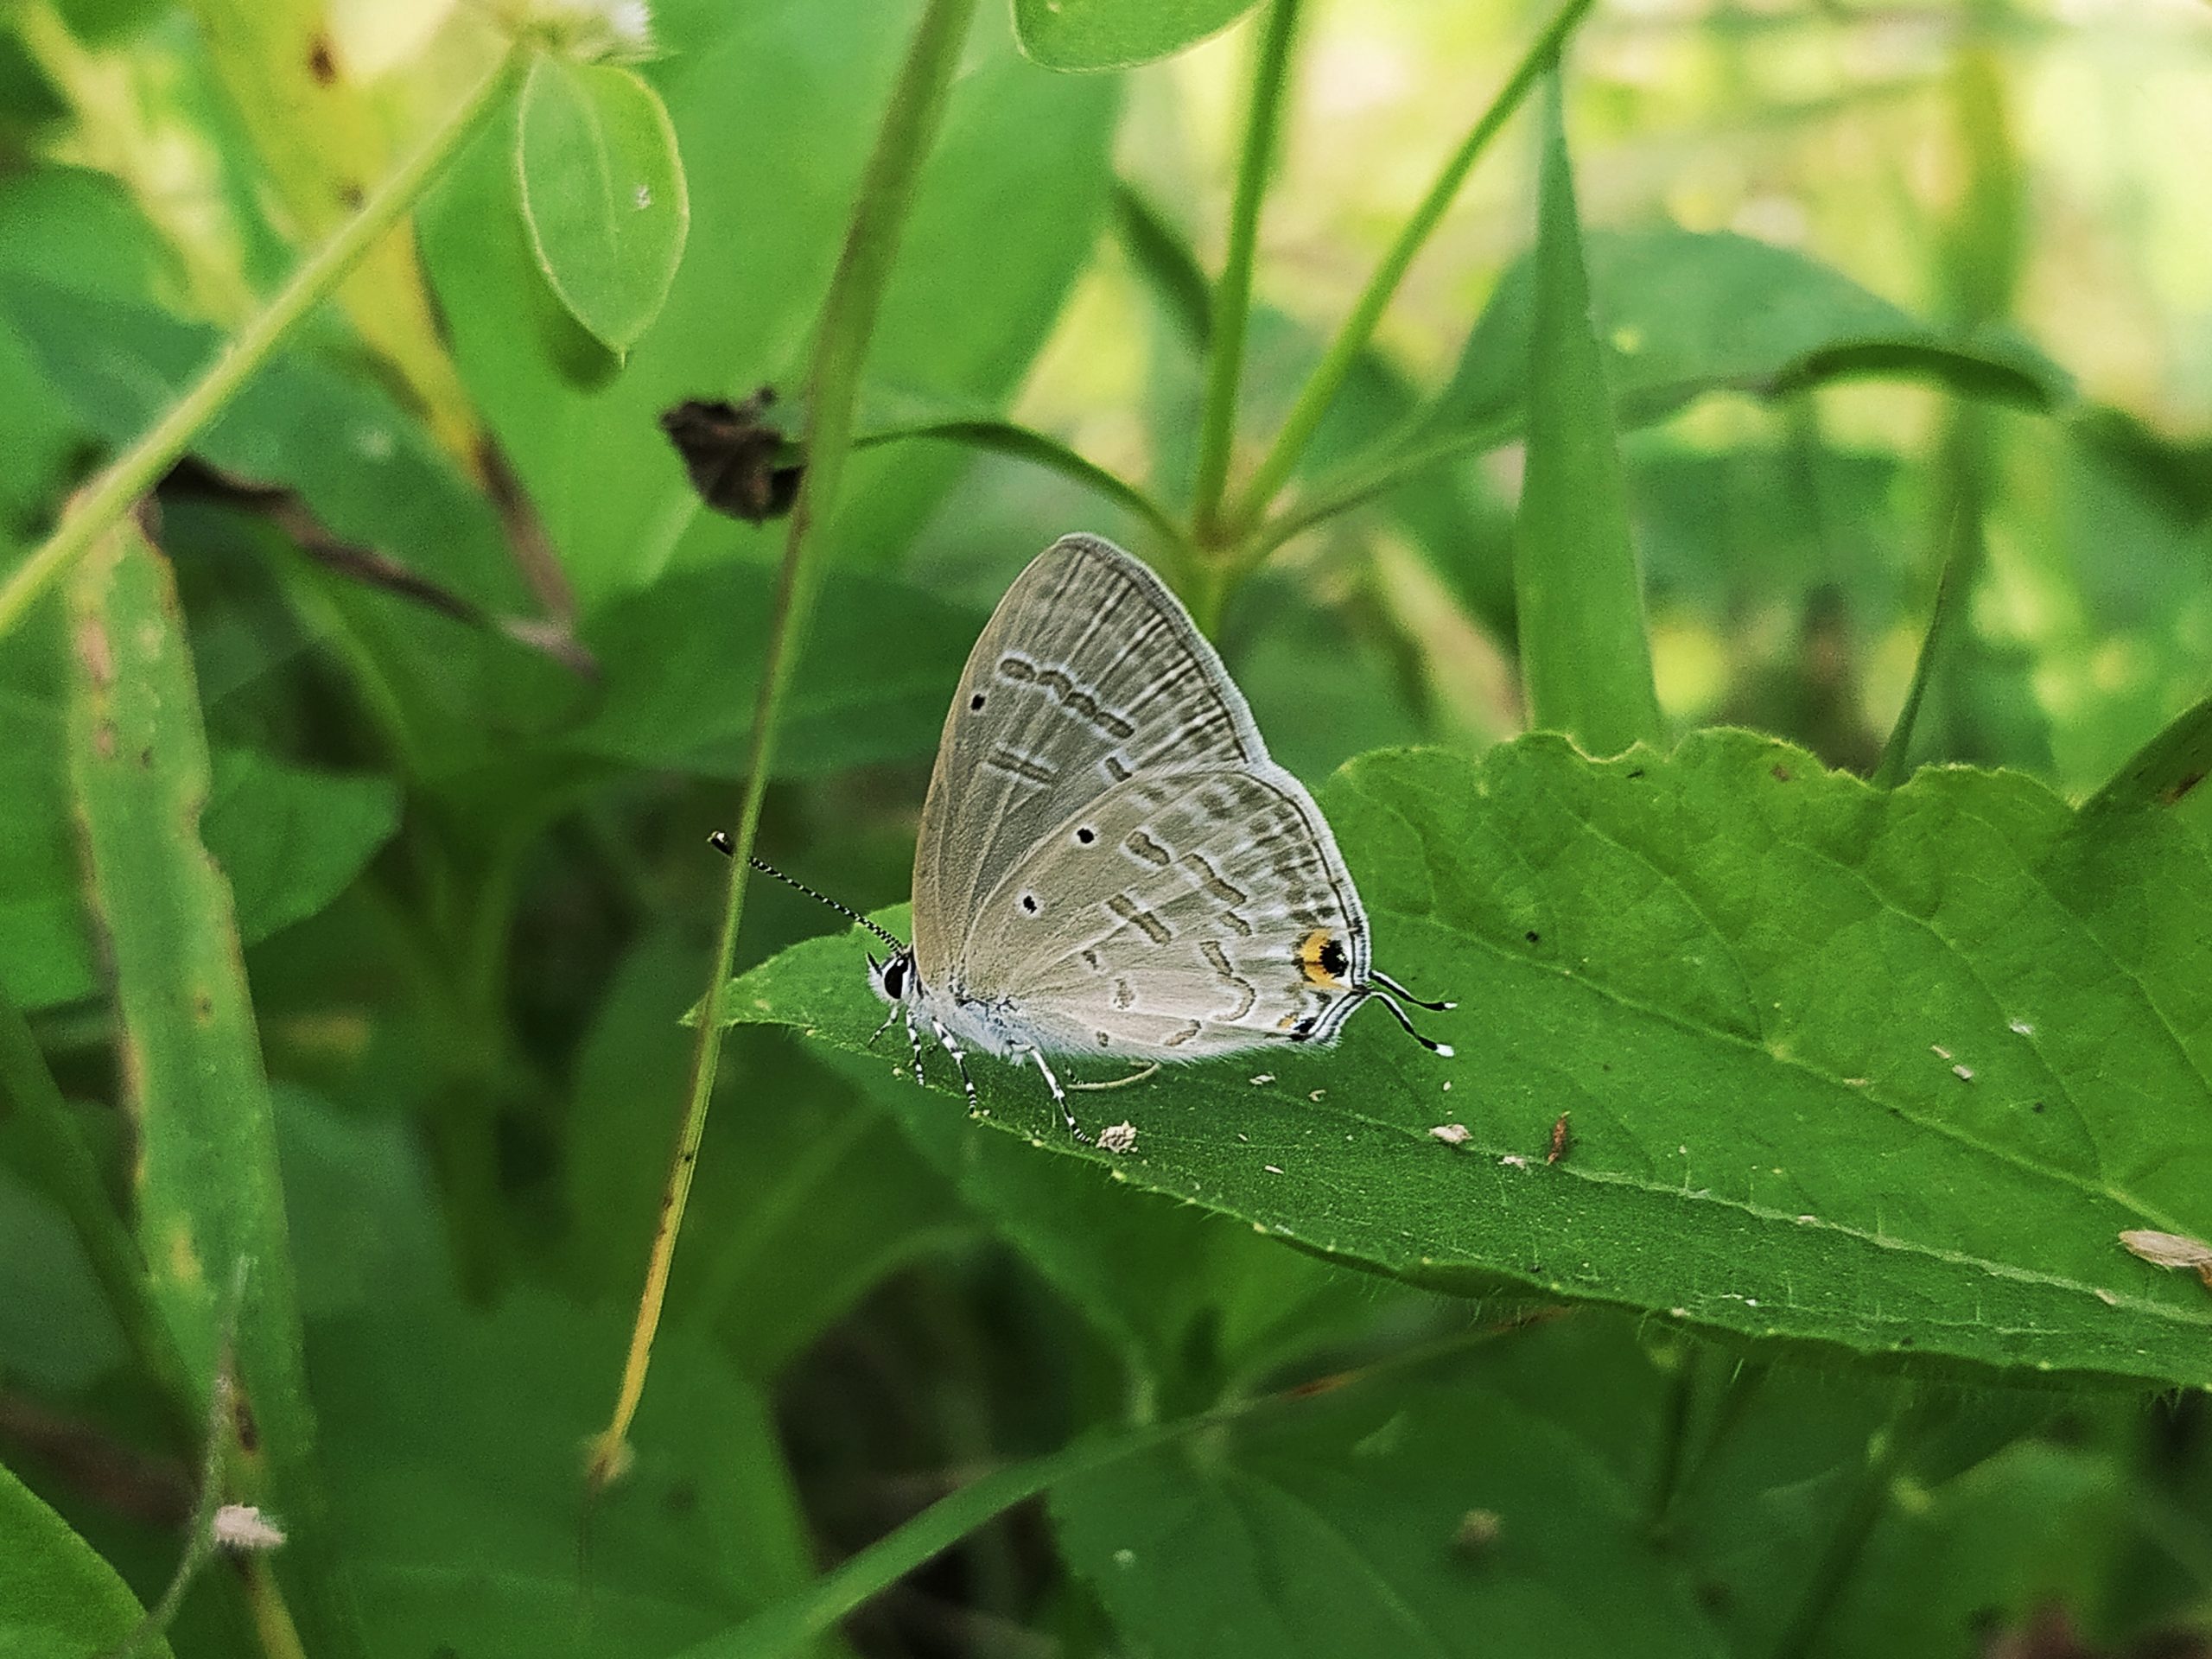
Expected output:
(951, 1044)
(1059, 1095)
(914, 1042)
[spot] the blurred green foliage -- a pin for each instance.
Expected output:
(355, 885)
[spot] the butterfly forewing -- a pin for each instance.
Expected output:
(1184, 913)
(1088, 674)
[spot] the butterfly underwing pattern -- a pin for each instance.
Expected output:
(1108, 863)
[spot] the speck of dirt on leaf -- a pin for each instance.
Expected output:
(2170, 1250)
(1963, 1074)
(1452, 1134)
(1264, 1079)
(94, 651)
(2022, 1028)
(1272, 1169)
(644, 197)
(1316, 1096)
(1447, 1085)
(1514, 1160)
(1478, 1530)
(1782, 773)
(1939, 1051)
(1118, 1137)
(1125, 1558)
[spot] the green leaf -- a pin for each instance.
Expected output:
(1682, 312)
(289, 839)
(602, 193)
(1578, 597)
(761, 97)
(1340, 1531)
(58, 1599)
(1750, 982)
(680, 664)
(1118, 33)
(459, 1492)
(206, 1178)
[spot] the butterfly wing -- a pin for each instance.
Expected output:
(1088, 674)
(1182, 914)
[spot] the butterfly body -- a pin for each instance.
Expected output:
(1110, 864)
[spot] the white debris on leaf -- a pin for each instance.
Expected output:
(1514, 1160)
(1963, 1074)
(1262, 1078)
(1452, 1134)
(1272, 1169)
(243, 1528)
(2171, 1250)
(1118, 1137)
(1939, 1051)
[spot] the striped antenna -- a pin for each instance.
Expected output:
(719, 841)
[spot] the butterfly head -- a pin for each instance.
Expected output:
(893, 979)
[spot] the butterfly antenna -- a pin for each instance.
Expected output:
(1376, 993)
(1390, 984)
(719, 841)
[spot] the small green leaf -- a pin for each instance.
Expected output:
(1579, 598)
(58, 1598)
(1889, 1072)
(206, 1178)
(1116, 33)
(603, 193)
(1438, 1519)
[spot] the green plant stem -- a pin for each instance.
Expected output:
(1895, 1447)
(911, 124)
(58, 1162)
(1950, 585)
(1232, 296)
(1674, 1444)
(1358, 328)
(789, 1625)
(138, 469)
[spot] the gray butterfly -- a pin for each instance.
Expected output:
(1109, 862)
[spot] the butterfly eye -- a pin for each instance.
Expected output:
(894, 978)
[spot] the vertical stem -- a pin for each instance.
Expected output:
(1328, 376)
(886, 194)
(1961, 564)
(138, 469)
(1892, 1448)
(1232, 296)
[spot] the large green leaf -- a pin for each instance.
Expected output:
(602, 193)
(1885, 1070)
(1346, 1530)
(1116, 33)
(58, 1599)
(768, 103)
(205, 1180)
(1686, 312)
(460, 1491)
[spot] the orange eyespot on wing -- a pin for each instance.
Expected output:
(1321, 955)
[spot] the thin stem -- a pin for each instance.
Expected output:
(2165, 769)
(1358, 328)
(1232, 296)
(1964, 546)
(1673, 1445)
(130, 474)
(911, 124)
(1892, 1449)
(1025, 444)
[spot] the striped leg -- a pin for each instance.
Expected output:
(947, 1041)
(914, 1042)
(1060, 1096)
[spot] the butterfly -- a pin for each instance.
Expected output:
(1108, 863)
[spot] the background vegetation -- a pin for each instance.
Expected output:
(1788, 416)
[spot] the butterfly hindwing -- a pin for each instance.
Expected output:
(1088, 673)
(1185, 911)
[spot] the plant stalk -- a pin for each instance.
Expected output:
(1232, 296)
(1358, 328)
(1960, 563)
(911, 124)
(138, 469)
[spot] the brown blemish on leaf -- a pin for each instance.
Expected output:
(203, 1007)
(183, 1257)
(1782, 773)
(2172, 792)
(94, 651)
(320, 63)
(146, 760)
(104, 740)
(242, 1419)
(2171, 1250)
